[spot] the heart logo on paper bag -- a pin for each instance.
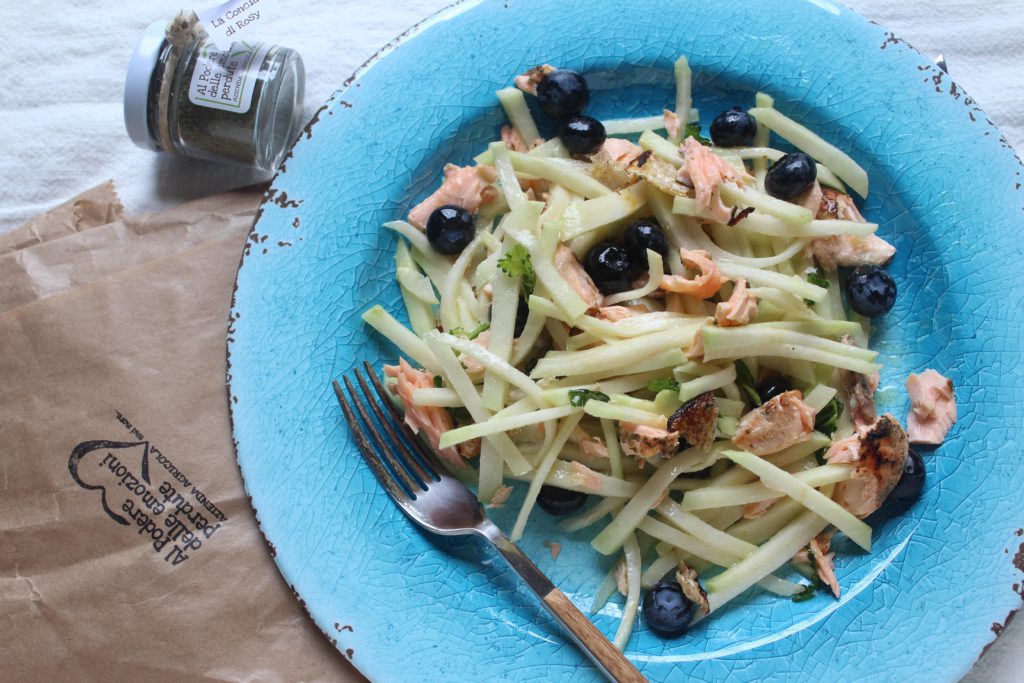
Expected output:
(115, 464)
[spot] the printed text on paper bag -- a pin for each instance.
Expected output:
(174, 516)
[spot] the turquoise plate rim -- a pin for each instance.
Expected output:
(372, 641)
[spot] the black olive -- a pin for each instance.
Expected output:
(644, 234)
(583, 134)
(733, 128)
(666, 610)
(870, 291)
(563, 94)
(911, 484)
(558, 501)
(790, 175)
(610, 267)
(450, 228)
(772, 386)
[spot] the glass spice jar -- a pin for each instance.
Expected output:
(184, 96)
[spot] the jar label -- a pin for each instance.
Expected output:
(225, 80)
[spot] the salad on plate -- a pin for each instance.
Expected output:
(665, 336)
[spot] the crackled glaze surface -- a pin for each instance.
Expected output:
(946, 189)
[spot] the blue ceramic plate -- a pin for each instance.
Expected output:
(945, 187)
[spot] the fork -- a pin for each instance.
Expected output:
(441, 504)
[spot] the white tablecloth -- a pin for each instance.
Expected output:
(61, 76)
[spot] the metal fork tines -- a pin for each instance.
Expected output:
(437, 501)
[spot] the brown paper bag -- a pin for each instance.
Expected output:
(97, 206)
(128, 550)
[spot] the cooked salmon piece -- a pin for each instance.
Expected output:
(810, 198)
(740, 309)
(755, 510)
(431, 420)
(847, 250)
(620, 151)
(471, 364)
(878, 454)
(932, 409)
(696, 421)
(608, 165)
(696, 348)
(500, 497)
(858, 392)
(704, 285)
(513, 140)
(572, 272)
(687, 579)
(614, 314)
(591, 447)
(528, 82)
(645, 443)
(672, 123)
(587, 477)
(463, 186)
(781, 422)
(705, 172)
(816, 553)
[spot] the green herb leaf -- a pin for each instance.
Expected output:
(819, 456)
(827, 420)
(745, 382)
(664, 384)
(816, 277)
(579, 397)
(809, 590)
(692, 130)
(438, 382)
(516, 263)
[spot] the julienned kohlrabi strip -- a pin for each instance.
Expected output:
(804, 139)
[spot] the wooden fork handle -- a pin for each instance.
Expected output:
(606, 656)
(593, 642)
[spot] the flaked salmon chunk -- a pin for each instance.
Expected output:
(706, 172)
(740, 308)
(781, 422)
(706, 284)
(878, 454)
(528, 82)
(572, 272)
(847, 250)
(433, 421)
(933, 407)
(645, 443)
(465, 186)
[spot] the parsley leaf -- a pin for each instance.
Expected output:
(579, 397)
(828, 418)
(692, 130)
(438, 382)
(664, 384)
(516, 263)
(746, 384)
(819, 456)
(809, 590)
(816, 277)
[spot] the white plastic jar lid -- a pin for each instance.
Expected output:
(136, 85)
